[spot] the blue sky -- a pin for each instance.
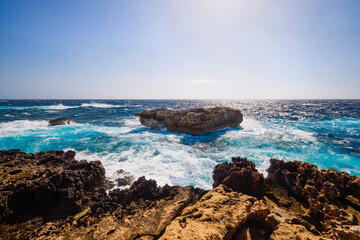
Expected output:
(228, 49)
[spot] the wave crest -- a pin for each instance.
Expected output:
(9, 128)
(101, 105)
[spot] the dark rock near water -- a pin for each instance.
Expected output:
(305, 181)
(124, 178)
(240, 175)
(323, 199)
(43, 192)
(50, 195)
(61, 121)
(193, 121)
(328, 193)
(49, 185)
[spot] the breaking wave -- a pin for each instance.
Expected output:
(108, 131)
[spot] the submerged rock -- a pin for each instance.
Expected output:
(193, 121)
(61, 121)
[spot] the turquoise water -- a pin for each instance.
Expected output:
(323, 132)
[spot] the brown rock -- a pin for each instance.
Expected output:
(328, 193)
(193, 121)
(50, 184)
(240, 175)
(217, 215)
(124, 178)
(224, 214)
(141, 223)
(305, 181)
(52, 196)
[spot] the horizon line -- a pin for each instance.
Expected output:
(151, 99)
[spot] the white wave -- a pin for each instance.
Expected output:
(280, 132)
(311, 104)
(53, 107)
(101, 105)
(58, 107)
(13, 127)
(167, 161)
(9, 115)
(26, 113)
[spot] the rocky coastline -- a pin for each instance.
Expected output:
(50, 195)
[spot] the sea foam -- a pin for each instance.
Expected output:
(101, 105)
(19, 126)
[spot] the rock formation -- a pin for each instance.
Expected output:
(240, 175)
(61, 121)
(124, 178)
(193, 121)
(50, 195)
(49, 185)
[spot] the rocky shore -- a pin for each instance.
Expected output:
(50, 195)
(193, 121)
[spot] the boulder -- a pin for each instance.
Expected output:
(193, 121)
(61, 121)
(240, 175)
(124, 178)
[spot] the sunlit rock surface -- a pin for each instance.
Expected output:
(193, 121)
(50, 195)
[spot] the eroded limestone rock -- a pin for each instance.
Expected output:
(50, 195)
(193, 121)
(240, 175)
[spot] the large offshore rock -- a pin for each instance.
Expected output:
(193, 121)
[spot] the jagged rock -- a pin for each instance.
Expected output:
(61, 121)
(50, 195)
(224, 214)
(124, 178)
(145, 211)
(217, 215)
(306, 181)
(193, 121)
(326, 192)
(240, 175)
(48, 184)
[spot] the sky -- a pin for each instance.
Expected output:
(179, 49)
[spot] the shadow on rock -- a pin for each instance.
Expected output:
(188, 139)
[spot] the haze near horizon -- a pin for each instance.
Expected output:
(180, 49)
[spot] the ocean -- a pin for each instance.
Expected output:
(323, 132)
